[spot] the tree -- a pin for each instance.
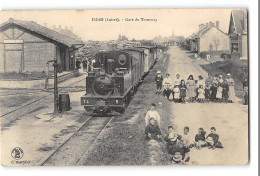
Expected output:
(216, 43)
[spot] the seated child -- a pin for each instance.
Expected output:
(171, 138)
(180, 153)
(213, 139)
(176, 93)
(201, 94)
(200, 138)
(153, 131)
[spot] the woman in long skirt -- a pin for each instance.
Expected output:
(191, 86)
(231, 92)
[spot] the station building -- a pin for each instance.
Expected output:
(26, 46)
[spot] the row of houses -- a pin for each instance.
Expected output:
(211, 40)
(26, 46)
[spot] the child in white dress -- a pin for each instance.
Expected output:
(201, 94)
(176, 94)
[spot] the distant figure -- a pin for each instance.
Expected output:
(200, 138)
(153, 131)
(245, 87)
(78, 64)
(231, 91)
(152, 113)
(158, 80)
(213, 139)
(167, 85)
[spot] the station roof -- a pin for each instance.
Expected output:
(42, 32)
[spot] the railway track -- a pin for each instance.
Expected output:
(74, 150)
(38, 99)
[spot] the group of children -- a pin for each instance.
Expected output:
(214, 88)
(179, 145)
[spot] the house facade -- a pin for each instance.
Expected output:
(238, 33)
(26, 46)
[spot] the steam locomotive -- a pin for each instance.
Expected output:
(115, 77)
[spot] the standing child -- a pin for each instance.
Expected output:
(183, 89)
(176, 95)
(196, 89)
(225, 91)
(159, 80)
(207, 93)
(213, 89)
(219, 93)
(201, 94)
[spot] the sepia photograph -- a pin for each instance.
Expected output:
(124, 87)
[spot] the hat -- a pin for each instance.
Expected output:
(177, 157)
(228, 74)
(158, 72)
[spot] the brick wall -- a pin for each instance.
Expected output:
(36, 53)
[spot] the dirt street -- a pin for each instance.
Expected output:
(230, 120)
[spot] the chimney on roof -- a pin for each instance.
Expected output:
(71, 28)
(217, 24)
(45, 24)
(211, 24)
(207, 24)
(201, 26)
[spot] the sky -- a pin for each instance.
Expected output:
(163, 22)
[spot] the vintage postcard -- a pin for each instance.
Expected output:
(129, 87)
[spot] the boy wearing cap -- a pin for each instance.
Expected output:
(158, 80)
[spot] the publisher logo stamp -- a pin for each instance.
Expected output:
(17, 153)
